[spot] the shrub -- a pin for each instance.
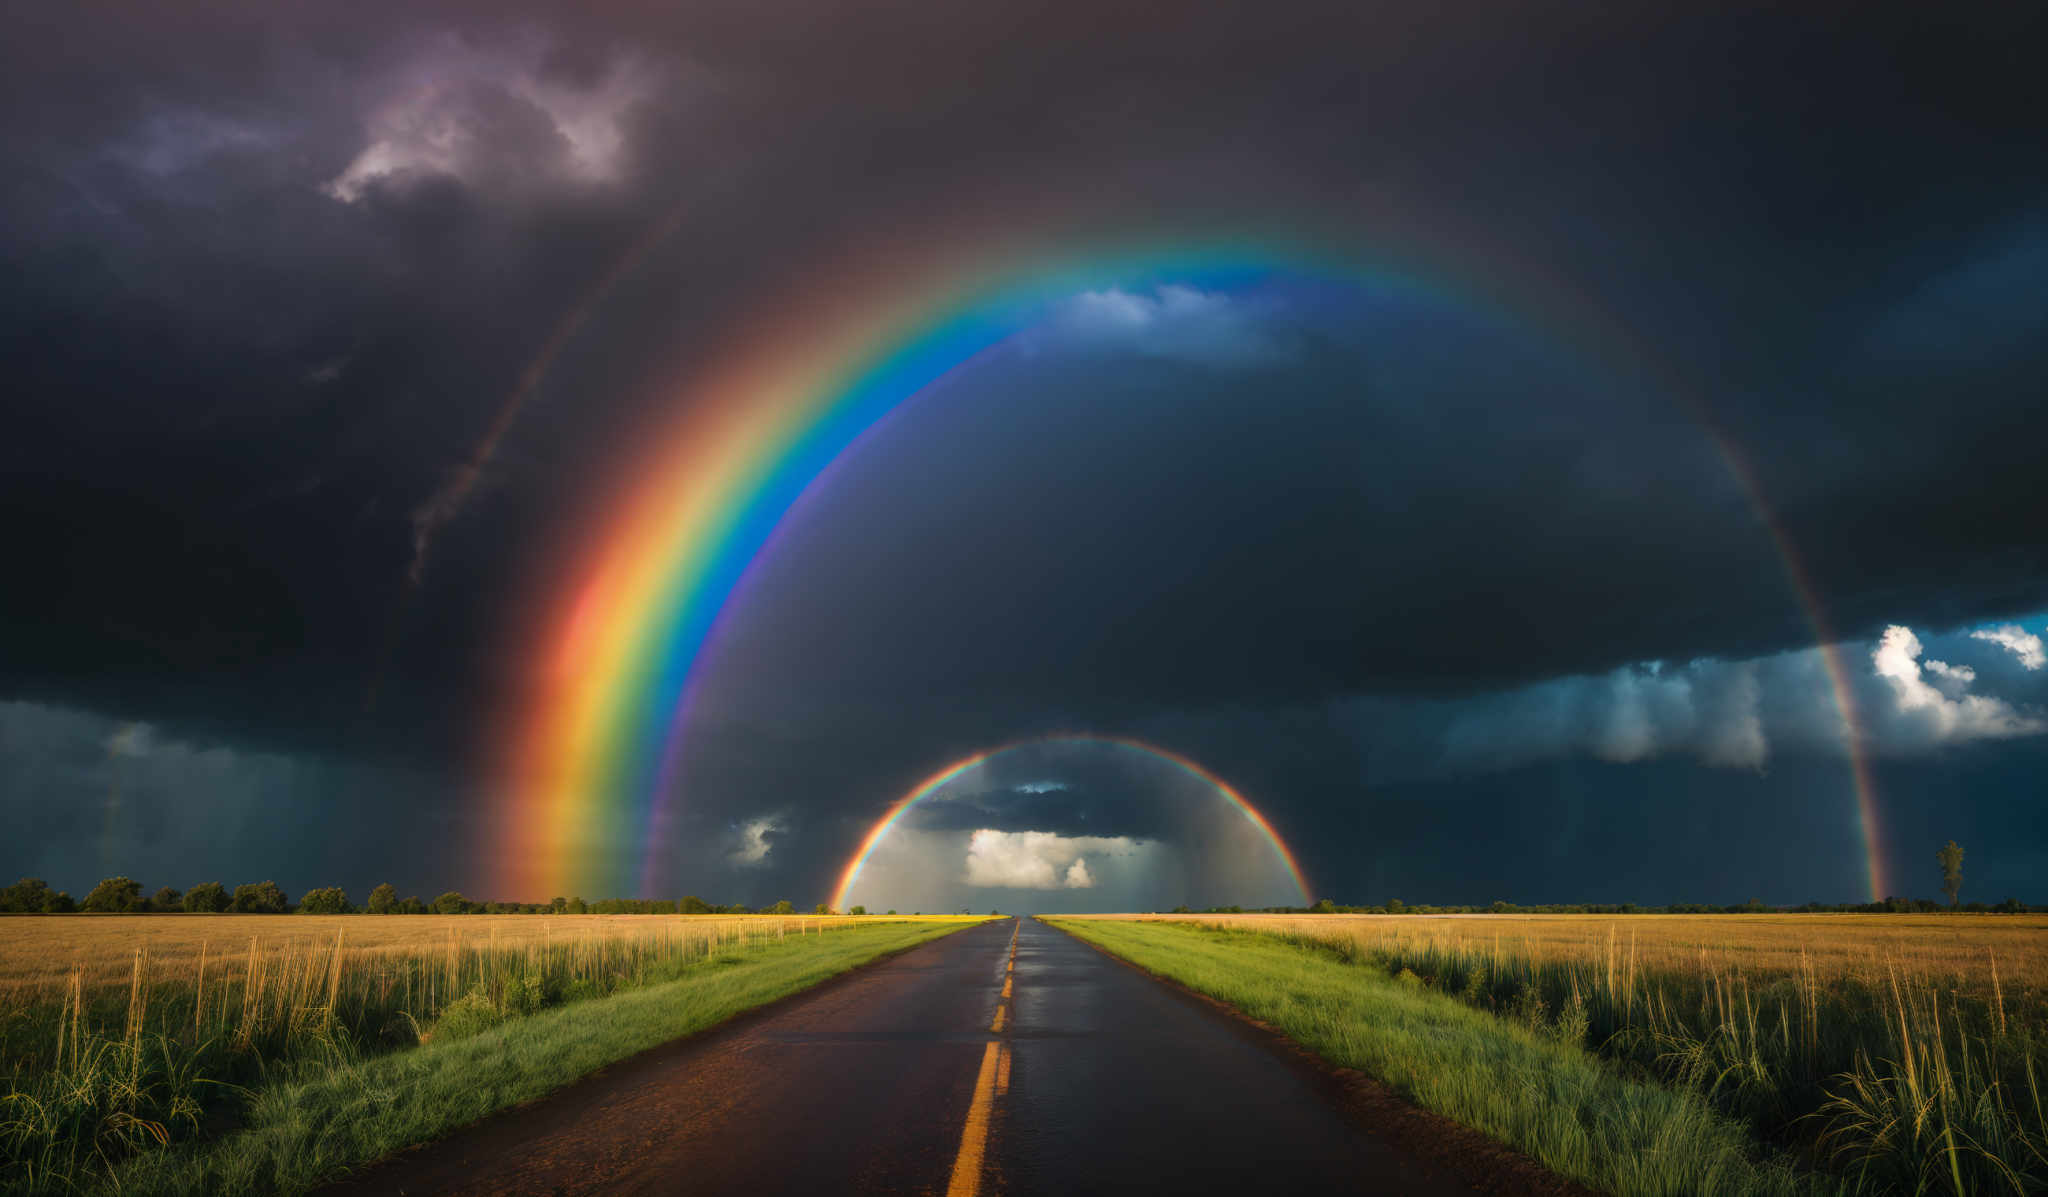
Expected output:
(526, 993)
(468, 1015)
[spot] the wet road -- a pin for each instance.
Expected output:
(1006, 1058)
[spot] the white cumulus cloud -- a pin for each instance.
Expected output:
(1037, 859)
(1731, 714)
(1946, 712)
(755, 840)
(2016, 640)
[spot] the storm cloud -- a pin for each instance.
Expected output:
(329, 327)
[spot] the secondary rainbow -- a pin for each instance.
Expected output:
(967, 764)
(591, 777)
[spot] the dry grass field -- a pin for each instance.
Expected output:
(1973, 951)
(37, 952)
(1910, 1052)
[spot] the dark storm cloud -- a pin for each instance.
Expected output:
(270, 275)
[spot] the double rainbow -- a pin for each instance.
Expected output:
(595, 751)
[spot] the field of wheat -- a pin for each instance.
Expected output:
(1969, 950)
(119, 1034)
(36, 953)
(1908, 1052)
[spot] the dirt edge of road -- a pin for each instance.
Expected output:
(1473, 1157)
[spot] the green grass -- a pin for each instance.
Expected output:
(318, 1119)
(1535, 1089)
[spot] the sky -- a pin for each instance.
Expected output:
(1689, 396)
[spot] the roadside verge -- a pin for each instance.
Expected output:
(299, 1134)
(1556, 1102)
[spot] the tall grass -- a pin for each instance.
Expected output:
(1908, 1071)
(96, 1068)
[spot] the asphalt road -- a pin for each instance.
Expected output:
(1006, 1058)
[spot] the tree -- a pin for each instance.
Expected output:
(783, 907)
(559, 906)
(858, 910)
(692, 904)
(115, 895)
(1951, 859)
(165, 901)
(1323, 907)
(383, 900)
(330, 900)
(823, 908)
(263, 897)
(59, 903)
(451, 903)
(412, 905)
(892, 912)
(578, 906)
(30, 895)
(207, 897)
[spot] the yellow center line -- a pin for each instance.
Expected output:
(993, 1081)
(974, 1136)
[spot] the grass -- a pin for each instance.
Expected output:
(267, 1068)
(1901, 1055)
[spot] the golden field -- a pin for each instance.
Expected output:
(1970, 949)
(38, 950)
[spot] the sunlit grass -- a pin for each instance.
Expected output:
(1904, 1054)
(104, 1066)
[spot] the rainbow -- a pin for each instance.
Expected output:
(967, 764)
(596, 745)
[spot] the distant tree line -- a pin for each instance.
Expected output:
(122, 895)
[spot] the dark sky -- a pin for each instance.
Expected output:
(1471, 606)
